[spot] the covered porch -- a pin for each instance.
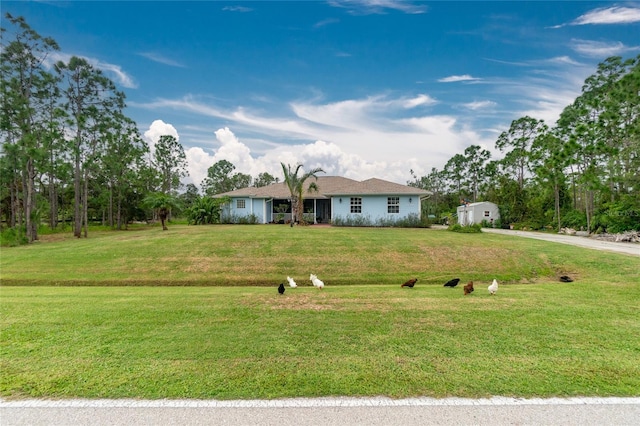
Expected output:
(316, 210)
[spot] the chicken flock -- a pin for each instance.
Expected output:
(467, 289)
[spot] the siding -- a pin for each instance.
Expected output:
(374, 207)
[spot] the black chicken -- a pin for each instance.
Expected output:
(566, 279)
(281, 288)
(452, 283)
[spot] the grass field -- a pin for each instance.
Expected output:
(202, 319)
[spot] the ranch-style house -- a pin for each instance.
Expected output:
(338, 198)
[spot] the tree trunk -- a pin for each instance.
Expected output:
(294, 209)
(85, 204)
(163, 217)
(77, 218)
(556, 193)
(119, 212)
(586, 209)
(30, 203)
(53, 203)
(14, 205)
(110, 208)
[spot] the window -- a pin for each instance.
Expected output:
(393, 204)
(240, 204)
(486, 213)
(356, 205)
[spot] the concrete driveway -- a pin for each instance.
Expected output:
(592, 243)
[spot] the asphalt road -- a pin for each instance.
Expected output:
(496, 411)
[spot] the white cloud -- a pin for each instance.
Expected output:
(325, 22)
(199, 162)
(478, 105)
(241, 9)
(563, 60)
(419, 100)
(367, 7)
(328, 156)
(456, 78)
(156, 129)
(155, 57)
(600, 49)
(609, 15)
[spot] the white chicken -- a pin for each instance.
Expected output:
(493, 288)
(316, 282)
(292, 283)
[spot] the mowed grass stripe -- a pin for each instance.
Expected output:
(229, 343)
(264, 255)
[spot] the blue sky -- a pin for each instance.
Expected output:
(361, 88)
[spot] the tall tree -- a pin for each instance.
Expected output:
(264, 179)
(476, 159)
(90, 99)
(171, 162)
(220, 178)
(120, 164)
(296, 185)
(23, 87)
(517, 142)
(455, 171)
(549, 162)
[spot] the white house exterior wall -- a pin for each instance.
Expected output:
(257, 209)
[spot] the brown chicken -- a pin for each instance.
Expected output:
(410, 283)
(468, 288)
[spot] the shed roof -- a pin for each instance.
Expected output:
(330, 186)
(479, 203)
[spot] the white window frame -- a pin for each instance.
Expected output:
(356, 205)
(393, 205)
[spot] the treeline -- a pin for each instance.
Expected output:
(71, 156)
(582, 173)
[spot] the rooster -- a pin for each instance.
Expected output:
(468, 288)
(493, 288)
(316, 282)
(410, 283)
(281, 288)
(292, 283)
(452, 283)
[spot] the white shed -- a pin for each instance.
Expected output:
(469, 214)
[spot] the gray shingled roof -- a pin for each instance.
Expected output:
(330, 186)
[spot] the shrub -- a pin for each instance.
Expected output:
(250, 219)
(574, 219)
(468, 229)
(409, 221)
(12, 237)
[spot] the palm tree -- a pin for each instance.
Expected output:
(295, 184)
(163, 203)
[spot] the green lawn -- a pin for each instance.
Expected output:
(361, 335)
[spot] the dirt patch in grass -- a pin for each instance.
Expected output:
(291, 301)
